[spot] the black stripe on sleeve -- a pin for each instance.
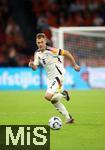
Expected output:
(59, 53)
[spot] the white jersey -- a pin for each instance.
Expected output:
(51, 61)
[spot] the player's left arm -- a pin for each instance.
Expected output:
(67, 54)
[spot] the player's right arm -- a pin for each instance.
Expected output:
(31, 64)
(34, 64)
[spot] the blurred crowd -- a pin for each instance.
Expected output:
(56, 13)
(12, 43)
(69, 13)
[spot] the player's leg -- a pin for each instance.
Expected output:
(53, 90)
(66, 95)
(62, 109)
(54, 96)
(60, 86)
(56, 86)
(48, 96)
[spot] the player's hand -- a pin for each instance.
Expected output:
(77, 67)
(30, 64)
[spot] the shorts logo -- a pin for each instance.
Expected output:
(53, 84)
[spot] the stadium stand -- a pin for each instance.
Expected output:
(20, 21)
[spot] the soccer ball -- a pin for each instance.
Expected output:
(55, 123)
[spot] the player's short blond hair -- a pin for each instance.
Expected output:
(41, 35)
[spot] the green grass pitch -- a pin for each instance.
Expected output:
(87, 107)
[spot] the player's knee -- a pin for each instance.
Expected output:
(48, 97)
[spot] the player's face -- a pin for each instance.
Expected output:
(41, 43)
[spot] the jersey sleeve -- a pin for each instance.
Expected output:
(36, 59)
(57, 51)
